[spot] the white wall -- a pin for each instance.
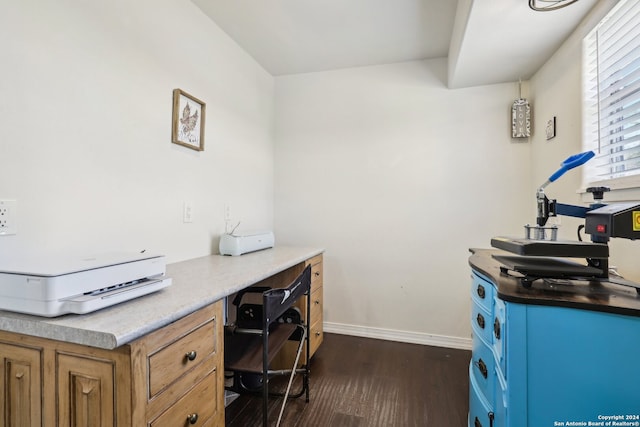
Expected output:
(556, 91)
(396, 176)
(85, 112)
(390, 171)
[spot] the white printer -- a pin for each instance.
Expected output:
(55, 285)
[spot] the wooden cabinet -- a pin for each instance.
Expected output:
(183, 367)
(170, 377)
(22, 391)
(316, 330)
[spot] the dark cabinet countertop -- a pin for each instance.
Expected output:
(596, 295)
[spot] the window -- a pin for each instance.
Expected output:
(611, 90)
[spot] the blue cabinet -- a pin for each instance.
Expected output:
(538, 362)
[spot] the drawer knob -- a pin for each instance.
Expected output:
(480, 320)
(496, 328)
(192, 418)
(317, 273)
(318, 334)
(316, 302)
(481, 291)
(191, 356)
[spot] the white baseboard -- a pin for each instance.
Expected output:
(400, 336)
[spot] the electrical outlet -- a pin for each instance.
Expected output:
(8, 224)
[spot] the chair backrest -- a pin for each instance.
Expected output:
(277, 301)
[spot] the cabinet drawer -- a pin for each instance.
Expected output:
(480, 413)
(314, 260)
(171, 362)
(481, 322)
(315, 337)
(483, 368)
(316, 306)
(482, 292)
(316, 276)
(199, 404)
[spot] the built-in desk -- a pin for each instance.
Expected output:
(154, 361)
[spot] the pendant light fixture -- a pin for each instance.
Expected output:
(548, 5)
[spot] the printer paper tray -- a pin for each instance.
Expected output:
(81, 304)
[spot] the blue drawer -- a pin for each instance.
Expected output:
(482, 292)
(483, 368)
(481, 322)
(480, 412)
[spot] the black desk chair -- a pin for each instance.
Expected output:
(259, 333)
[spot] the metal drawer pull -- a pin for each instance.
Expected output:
(192, 418)
(191, 356)
(477, 423)
(317, 273)
(496, 328)
(480, 291)
(318, 334)
(317, 302)
(483, 368)
(480, 320)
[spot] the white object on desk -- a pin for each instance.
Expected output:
(58, 285)
(238, 244)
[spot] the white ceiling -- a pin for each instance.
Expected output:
(487, 41)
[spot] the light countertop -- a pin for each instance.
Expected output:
(196, 283)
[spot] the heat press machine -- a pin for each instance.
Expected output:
(540, 255)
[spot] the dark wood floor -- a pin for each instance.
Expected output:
(363, 382)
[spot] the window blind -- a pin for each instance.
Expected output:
(611, 90)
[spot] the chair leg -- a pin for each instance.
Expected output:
(308, 342)
(293, 373)
(265, 374)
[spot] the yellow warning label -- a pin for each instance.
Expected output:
(636, 220)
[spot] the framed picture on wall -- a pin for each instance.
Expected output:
(520, 119)
(188, 121)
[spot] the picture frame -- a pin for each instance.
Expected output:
(188, 120)
(520, 119)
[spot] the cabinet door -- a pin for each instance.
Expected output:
(21, 394)
(85, 391)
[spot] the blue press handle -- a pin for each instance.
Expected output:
(572, 162)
